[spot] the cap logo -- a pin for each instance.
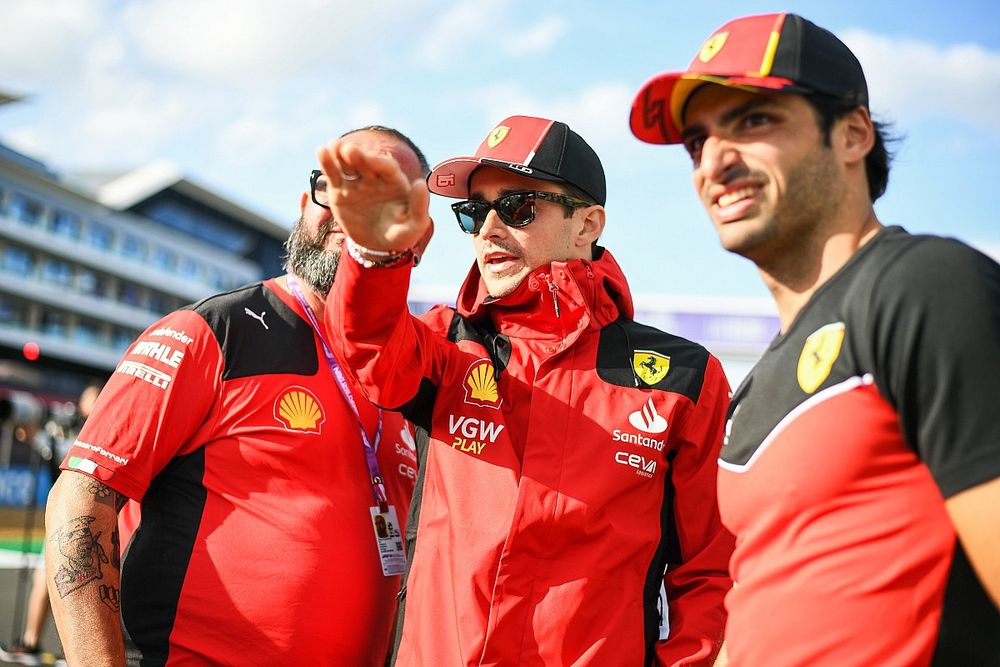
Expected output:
(820, 351)
(298, 409)
(497, 135)
(481, 385)
(649, 366)
(445, 180)
(712, 46)
(520, 167)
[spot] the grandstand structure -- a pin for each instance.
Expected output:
(87, 261)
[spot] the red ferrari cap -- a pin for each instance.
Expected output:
(774, 52)
(535, 147)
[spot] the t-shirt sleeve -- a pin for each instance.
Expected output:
(153, 405)
(936, 327)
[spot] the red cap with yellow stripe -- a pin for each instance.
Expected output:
(768, 52)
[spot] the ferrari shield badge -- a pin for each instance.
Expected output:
(712, 46)
(497, 135)
(650, 367)
(820, 351)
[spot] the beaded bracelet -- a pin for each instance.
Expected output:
(388, 257)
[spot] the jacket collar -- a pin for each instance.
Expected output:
(553, 301)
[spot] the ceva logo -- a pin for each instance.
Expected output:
(643, 466)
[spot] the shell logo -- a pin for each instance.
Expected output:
(481, 385)
(298, 409)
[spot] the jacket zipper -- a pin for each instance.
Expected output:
(554, 289)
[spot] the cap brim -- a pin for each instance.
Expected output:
(656, 115)
(451, 177)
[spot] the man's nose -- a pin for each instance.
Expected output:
(493, 226)
(718, 156)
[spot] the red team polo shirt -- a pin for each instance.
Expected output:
(256, 543)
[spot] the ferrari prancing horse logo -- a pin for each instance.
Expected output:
(497, 135)
(820, 351)
(712, 46)
(650, 367)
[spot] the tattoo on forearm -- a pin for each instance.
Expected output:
(109, 596)
(105, 494)
(83, 555)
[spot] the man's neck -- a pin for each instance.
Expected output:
(315, 300)
(793, 283)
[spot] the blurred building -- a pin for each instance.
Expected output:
(89, 261)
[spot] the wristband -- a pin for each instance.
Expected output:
(387, 258)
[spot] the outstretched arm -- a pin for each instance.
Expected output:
(379, 199)
(83, 569)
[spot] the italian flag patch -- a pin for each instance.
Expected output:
(89, 467)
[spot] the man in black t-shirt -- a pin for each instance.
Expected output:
(861, 467)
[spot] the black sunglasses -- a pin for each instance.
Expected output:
(515, 209)
(317, 188)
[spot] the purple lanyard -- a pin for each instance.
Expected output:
(378, 488)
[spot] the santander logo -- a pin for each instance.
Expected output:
(646, 419)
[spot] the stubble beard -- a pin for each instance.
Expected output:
(500, 286)
(784, 240)
(308, 258)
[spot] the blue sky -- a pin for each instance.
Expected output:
(239, 94)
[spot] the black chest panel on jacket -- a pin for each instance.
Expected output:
(619, 343)
(497, 345)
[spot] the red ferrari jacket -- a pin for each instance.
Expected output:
(565, 510)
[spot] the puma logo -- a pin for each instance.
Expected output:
(257, 317)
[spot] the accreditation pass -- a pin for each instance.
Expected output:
(389, 540)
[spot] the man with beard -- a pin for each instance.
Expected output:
(262, 474)
(861, 467)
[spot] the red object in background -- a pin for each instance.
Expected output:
(31, 351)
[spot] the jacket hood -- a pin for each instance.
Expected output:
(592, 289)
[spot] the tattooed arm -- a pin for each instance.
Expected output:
(83, 569)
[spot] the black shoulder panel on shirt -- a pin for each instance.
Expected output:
(621, 339)
(496, 344)
(258, 334)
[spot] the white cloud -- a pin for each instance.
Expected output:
(47, 42)
(263, 41)
(909, 77)
(135, 129)
(598, 112)
(534, 39)
(485, 25)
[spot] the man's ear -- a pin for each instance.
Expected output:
(854, 135)
(303, 201)
(593, 225)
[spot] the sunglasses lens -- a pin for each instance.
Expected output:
(516, 209)
(471, 215)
